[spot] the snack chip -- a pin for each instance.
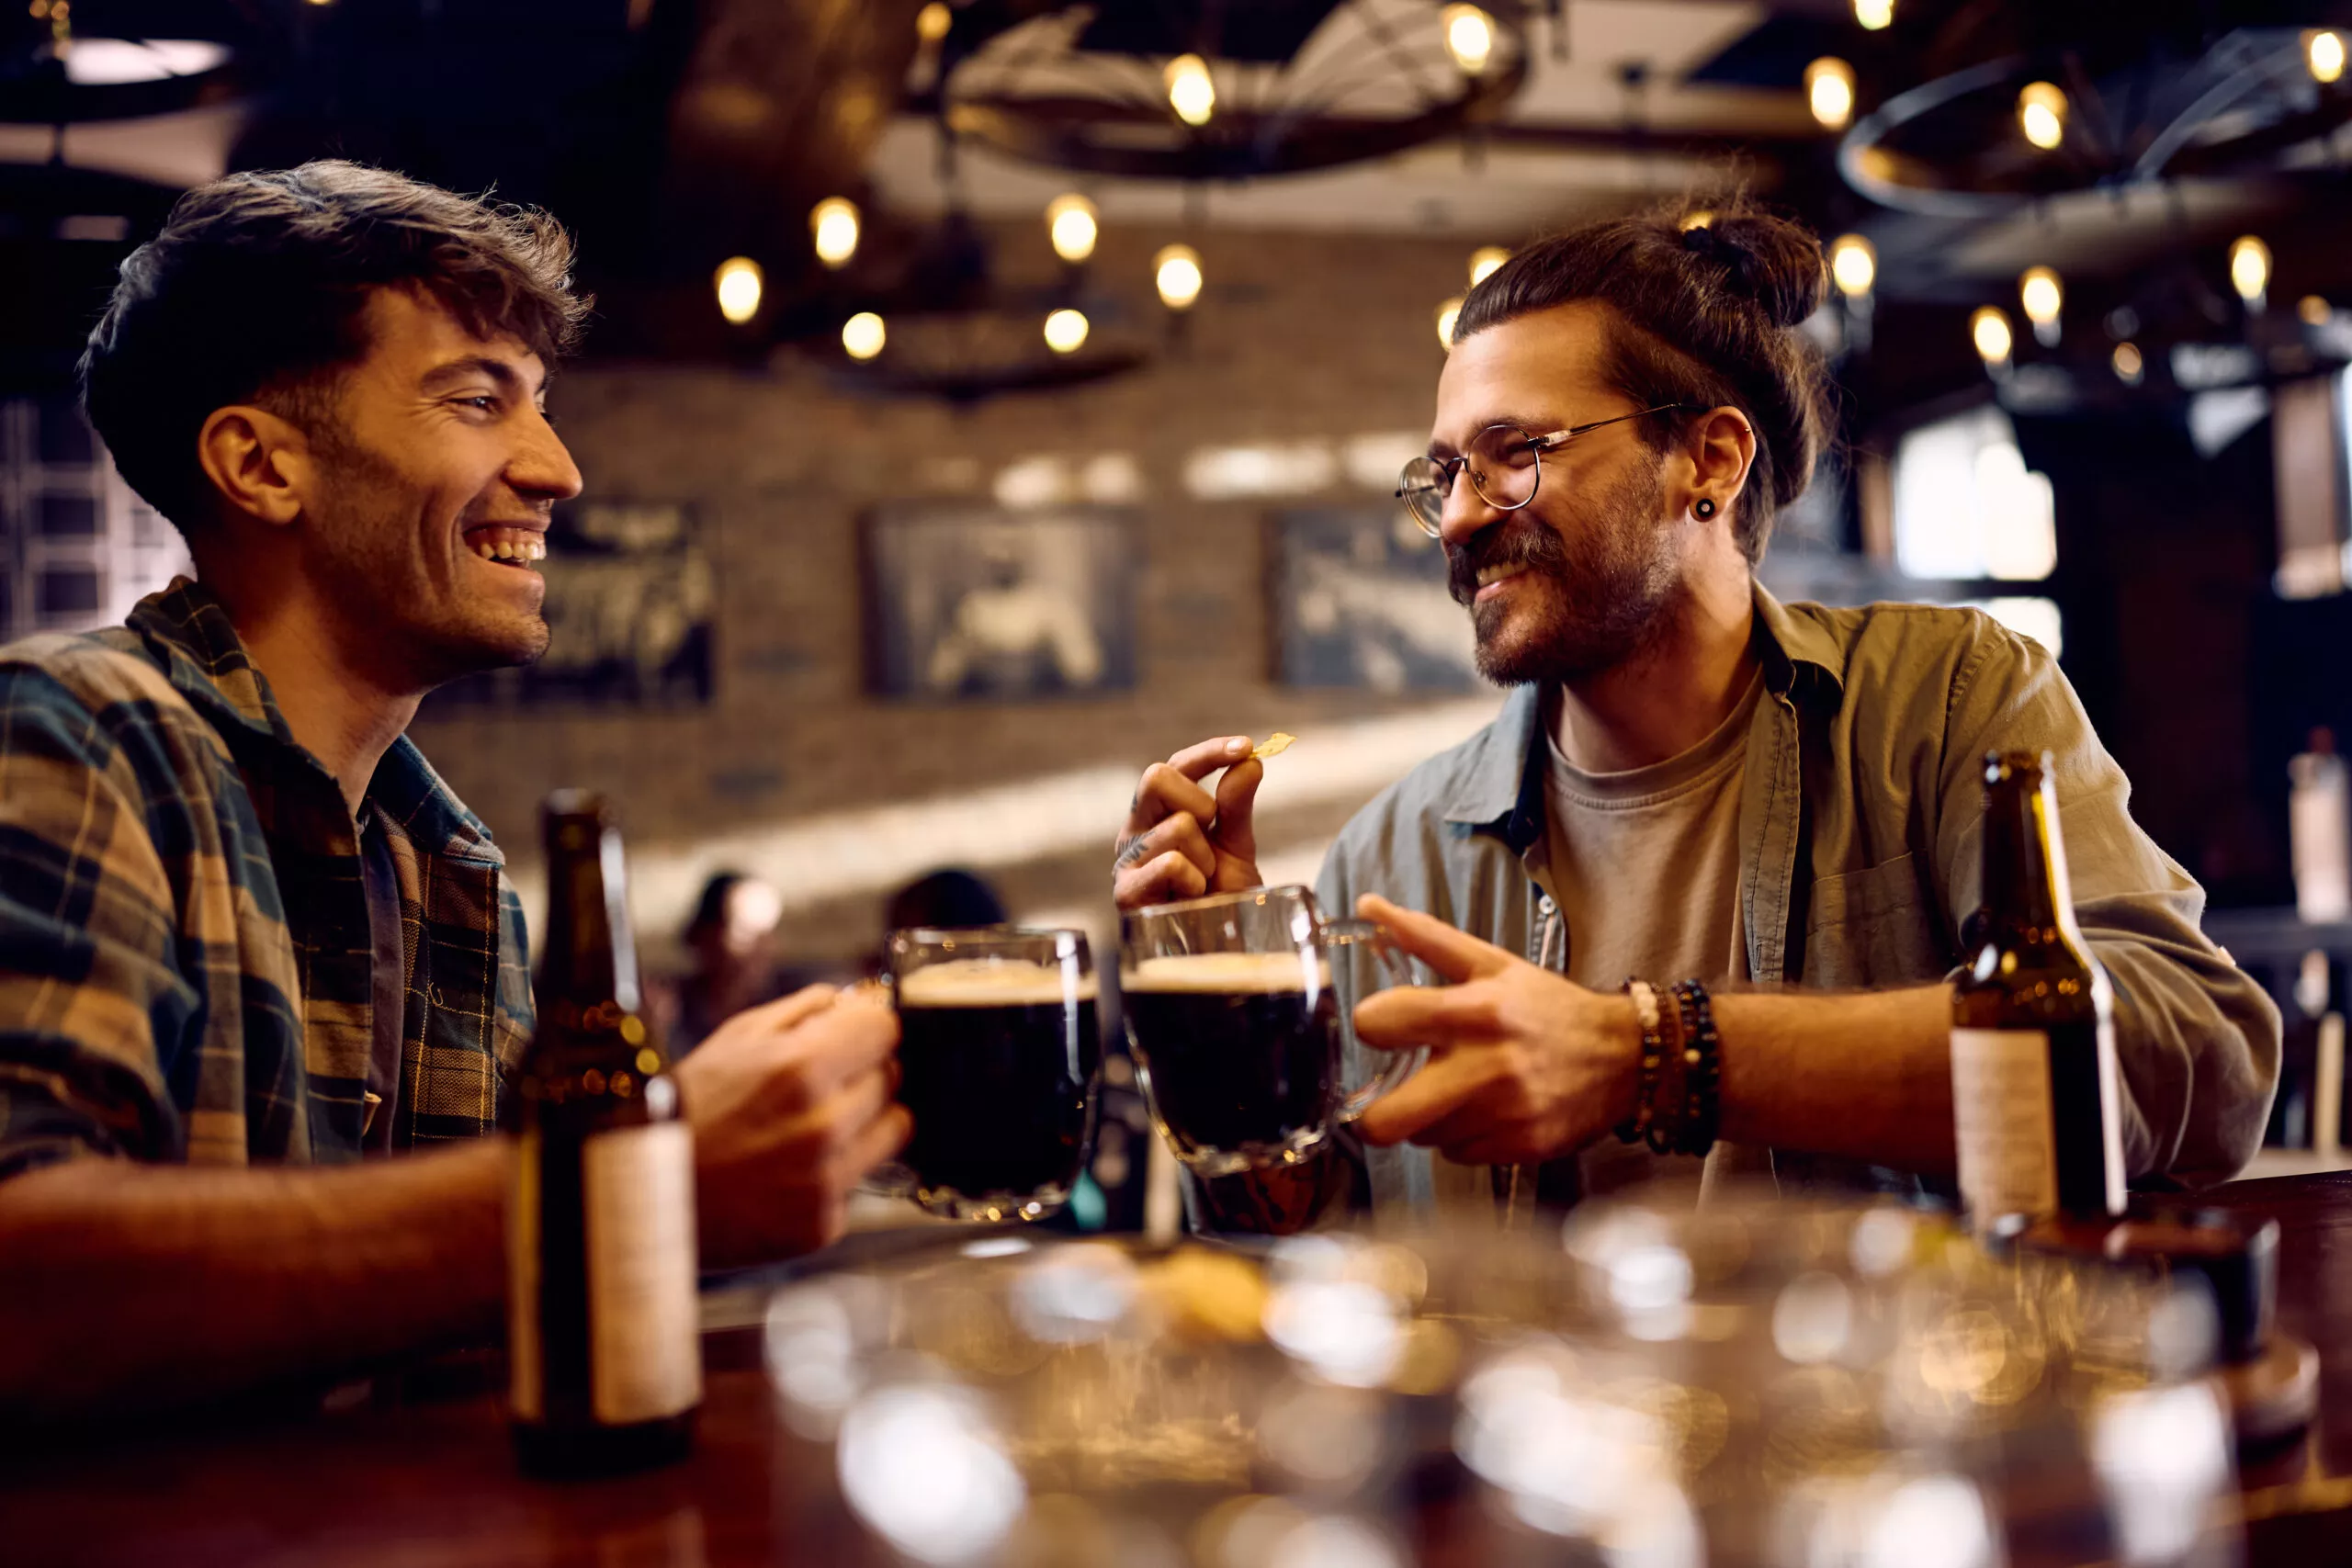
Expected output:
(1273, 745)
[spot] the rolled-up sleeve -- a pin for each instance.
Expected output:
(88, 980)
(2197, 1040)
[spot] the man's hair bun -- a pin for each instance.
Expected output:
(1765, 259)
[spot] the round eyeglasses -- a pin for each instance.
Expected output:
(1505, 465)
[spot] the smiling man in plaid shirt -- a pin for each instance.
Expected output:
(261, 974)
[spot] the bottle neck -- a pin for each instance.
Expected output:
(2025, 858)
(591, 951)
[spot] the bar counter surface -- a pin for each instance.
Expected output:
(428, 1477)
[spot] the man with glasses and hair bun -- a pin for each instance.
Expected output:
(1766, 815)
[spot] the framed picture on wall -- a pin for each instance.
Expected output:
(1360, 602)
(980, 604)
(629, 606)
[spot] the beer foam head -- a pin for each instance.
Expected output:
(1254, 972)
(988, 983)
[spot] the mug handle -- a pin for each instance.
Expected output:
(1329, 938)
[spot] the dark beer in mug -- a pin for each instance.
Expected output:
(603, 1336)
(997, 1061)
(1242, 1050)
(2037, 1120)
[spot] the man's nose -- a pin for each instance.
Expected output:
(543, 469)
(1466, 514)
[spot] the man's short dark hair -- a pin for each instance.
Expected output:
(255, 291)
(1702, 314)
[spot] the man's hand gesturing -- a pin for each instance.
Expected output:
(1181, 841)
(791, 1106)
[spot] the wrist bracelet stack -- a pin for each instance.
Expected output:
(1678, 1102)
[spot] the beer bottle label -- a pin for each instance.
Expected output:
(2001, 1122)
(527, 1379)
(644, 1344)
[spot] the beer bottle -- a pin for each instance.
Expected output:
(2034, 1095)
(602, 1322)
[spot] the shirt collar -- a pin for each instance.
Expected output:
(187, 629)
(1501, 784)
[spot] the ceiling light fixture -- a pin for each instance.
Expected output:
(2323, 52)
(2130, 368)
(1874, 13)
(1066, 331)
(739, 283)
(1447, 314)
(1176, 273)
(833, 224)
(1469, 38)
(1830, 89)
(1853, 265)
(864, 334)
(1071, 222)
(2250, 270)
(1989, 329)
(1483, 261)
(2043, 296)
(2042, 115)
(1192, 92)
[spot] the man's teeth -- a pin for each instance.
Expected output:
(1487, 574)
(527, 550)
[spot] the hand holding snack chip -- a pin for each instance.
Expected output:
(1181, 840)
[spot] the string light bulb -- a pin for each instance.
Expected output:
(1483, 261)
(1071, 224)
(834, 226)
(1699, 220)
(864, 334)
(739, 283)
(1176, 273)
(2130, 368)
(1066, 331)
(932, 21)
(1853, 265)
(2323, 53)
(1191, 91)
(2250, 269)
(1989, 328)
(1469, 36)
(1874, 15)
(1447, 314)
(1830, 89)
(2042, 114)
(2043, 296)
(2314, 309)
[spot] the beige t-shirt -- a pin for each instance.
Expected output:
(1644, 866)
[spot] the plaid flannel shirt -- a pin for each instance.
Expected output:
(186, 963)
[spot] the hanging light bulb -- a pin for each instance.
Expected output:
(1483, 261)
(2250, 270)
(1066, 331)
(1191, 91)
(833, 224)
(1874, 13)
(739, 281)
(1853, 265)
(932, 24)
(1069, 221)
(1989, 327)
(864, 334)
(2042, 296)
(1447, 314)
(1829, 88)
(1469, 36)
(1176, 273)
(1699, 220)
(2323, 52)
(2314, 309)
(2042, 114)
(2130, 368)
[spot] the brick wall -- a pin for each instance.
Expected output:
(1299, 338)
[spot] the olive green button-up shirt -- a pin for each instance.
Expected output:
(1860, 859)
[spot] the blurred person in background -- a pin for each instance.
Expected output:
(262, 975)
(1692, 781)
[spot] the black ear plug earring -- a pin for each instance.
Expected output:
(1703, 509)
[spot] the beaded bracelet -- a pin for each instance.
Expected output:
(1646, 1012)
(1703, 1070)
(1672, 1098)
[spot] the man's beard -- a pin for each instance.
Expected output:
(1606, 587)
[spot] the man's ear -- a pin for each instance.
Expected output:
(1723, 456)
(261, 464)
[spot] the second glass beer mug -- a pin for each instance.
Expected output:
(1239, 1007)
(998, 1062)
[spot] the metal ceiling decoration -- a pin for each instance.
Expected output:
(1221, 89)
(1982, 142)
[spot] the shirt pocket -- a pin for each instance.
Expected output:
(1877, 927)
